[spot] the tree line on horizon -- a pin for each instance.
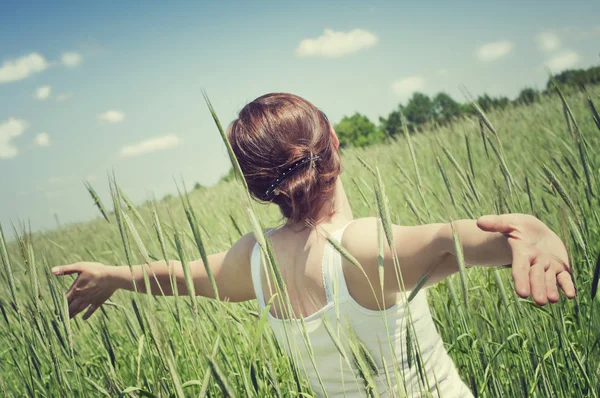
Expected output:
(358, 131)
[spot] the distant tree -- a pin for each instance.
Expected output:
(576, 77)
(485, 102)
(445, 108)
(228, 177)
(198, 186)
(419, 109)
(488, 103)
(528, 96)
(392, 125)
(357, 130)
(467, 109)
(501, 102)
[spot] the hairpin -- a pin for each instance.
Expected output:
(288, 172)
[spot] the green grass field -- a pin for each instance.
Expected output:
(541, 159)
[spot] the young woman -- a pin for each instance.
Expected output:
(288, 152)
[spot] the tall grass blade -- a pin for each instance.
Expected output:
(96, 199)
(595, 115)
(411, 148)
(460, 259)
(237, 170)
(596, 278)
(189, 282)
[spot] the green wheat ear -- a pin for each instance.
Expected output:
(561, 191)
(596, 278)
(460, 259)
(367, 166)
(413, 157)
(96, 199)
(595, 114)
(232, 158)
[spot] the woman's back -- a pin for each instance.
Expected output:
(288, 153)
(345, 348)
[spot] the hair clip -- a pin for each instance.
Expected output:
(289, 171)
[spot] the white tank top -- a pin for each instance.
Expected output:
(351, 344)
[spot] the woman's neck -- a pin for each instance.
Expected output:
(339, 204)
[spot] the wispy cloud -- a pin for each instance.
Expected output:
(111, 116)
(548, 41)
(42, 93)
(53, 194)
(23, 67)
(42, 139)
(564, 60)
(71, 59)
(408, 85)
(333, 44)
(581, 32)
(60, 179)
(493, 51)
(8, 130)
(63, 97)
(152, 145)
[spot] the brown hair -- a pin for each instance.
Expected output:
(275, 132)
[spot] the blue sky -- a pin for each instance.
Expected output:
(90, 86)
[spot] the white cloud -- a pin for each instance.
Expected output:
(52, 194)
(336, 44)
(60, 179)
(71, 59)
(408, 85)
(151, 145)
(8, 130)
(492, 51)
(442, 72)
(42, 139)
(111, 116)
(22, 68)
(63, 97)
(564, 60)
(42, 93)
(548, 41)
(580, 32)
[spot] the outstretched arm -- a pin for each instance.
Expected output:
(96, 282)
(538, 257)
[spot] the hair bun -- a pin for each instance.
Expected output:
(284, 147)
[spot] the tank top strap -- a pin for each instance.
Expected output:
(333, 273)
(255, 261)
(255, 268)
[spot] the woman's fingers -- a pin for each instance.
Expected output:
(68, 269)
(520, 273)
(90, 311)
(537, 282)
(565, 281)
(77, 306)
(497, 223)
(72, 293)
(551, 289)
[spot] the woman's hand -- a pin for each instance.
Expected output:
(92, 287)
(539, 257)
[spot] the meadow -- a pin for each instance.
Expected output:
(540, 159)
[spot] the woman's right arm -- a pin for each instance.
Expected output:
(96, 282)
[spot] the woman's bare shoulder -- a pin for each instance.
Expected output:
(361, 238)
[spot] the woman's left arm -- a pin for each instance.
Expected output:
(538, 256)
